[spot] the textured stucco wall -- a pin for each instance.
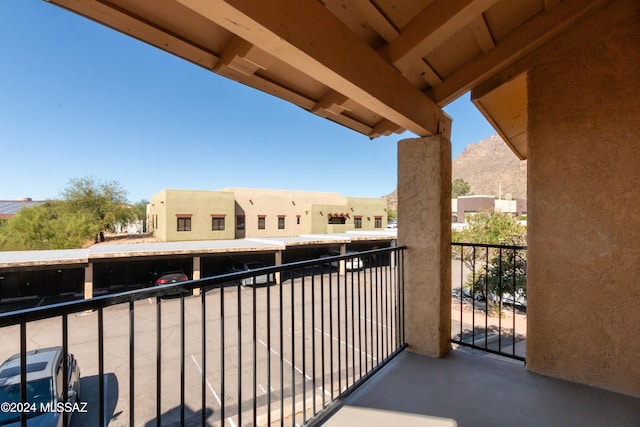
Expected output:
(424, 212)
(584, 189)
(200, 205)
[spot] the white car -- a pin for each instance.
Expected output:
(350, 264)
(263, 279)
(45, 394)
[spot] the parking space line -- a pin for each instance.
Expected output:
(215, 395)
(290, 364)
(347, 344)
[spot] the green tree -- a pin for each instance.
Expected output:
(140, 211)
(106, 202)
(496, 271)
(493, 228)
(50, 226)
(459, 187)
(87, 208)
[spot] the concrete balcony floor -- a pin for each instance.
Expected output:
(472, 389)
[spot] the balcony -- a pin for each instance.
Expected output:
(215, 352)
(319, 345)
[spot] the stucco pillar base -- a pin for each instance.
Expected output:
(88, 281)
(424, 227)
(196, 273)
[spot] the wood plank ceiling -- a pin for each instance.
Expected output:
(375, 66)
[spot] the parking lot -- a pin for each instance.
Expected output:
(331, 329)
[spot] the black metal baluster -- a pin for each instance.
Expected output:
(313, 336)
(473, 299)
(487, 299)
(281, 357)
(461, 287)
(23, 371)
(131, 364)
(331, 331)
(158, 361)
(377, 304)
(500, 302)
(203, 384)
(304, 357)
(269, 354)
(182, 361)
(101, 391)
(222, 371)
(353, 324)
(239, 308)
(293, 354)
(360, 321)
(339, 330)
(255, 354)
(322, 346)
(65, 367)
(366, 285)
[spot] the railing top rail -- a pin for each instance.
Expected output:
(183, 288)
(489, 245)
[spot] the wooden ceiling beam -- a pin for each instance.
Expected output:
(328, 52)
(482, 34)
(431, 27)
(141, 29)
(522, 41)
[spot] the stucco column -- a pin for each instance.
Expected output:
(88, 281)
(424, 218)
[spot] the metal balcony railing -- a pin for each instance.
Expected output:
(489, 298)
(216, 352)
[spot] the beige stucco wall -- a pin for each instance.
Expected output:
(424, 210)
(272, 203)
(201, 205)
(583, 193)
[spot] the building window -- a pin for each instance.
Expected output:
(298, 219)
(217, 222)
(281, 222)
(357, 221)
(262, 222)
(184, 223)
(337, 220)
(378, 222)
(240, 222)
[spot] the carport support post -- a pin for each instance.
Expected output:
(196, 273)
(424, 212)
(278, 261)
(342, 263)
(88, 281)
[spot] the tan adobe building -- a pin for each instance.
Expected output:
(237, 213)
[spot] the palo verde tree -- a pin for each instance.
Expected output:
(495, 271)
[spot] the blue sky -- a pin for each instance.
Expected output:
(80, 100)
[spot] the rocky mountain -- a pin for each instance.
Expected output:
(490, 168)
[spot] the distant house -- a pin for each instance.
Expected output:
(9, 208)
(469, 205)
